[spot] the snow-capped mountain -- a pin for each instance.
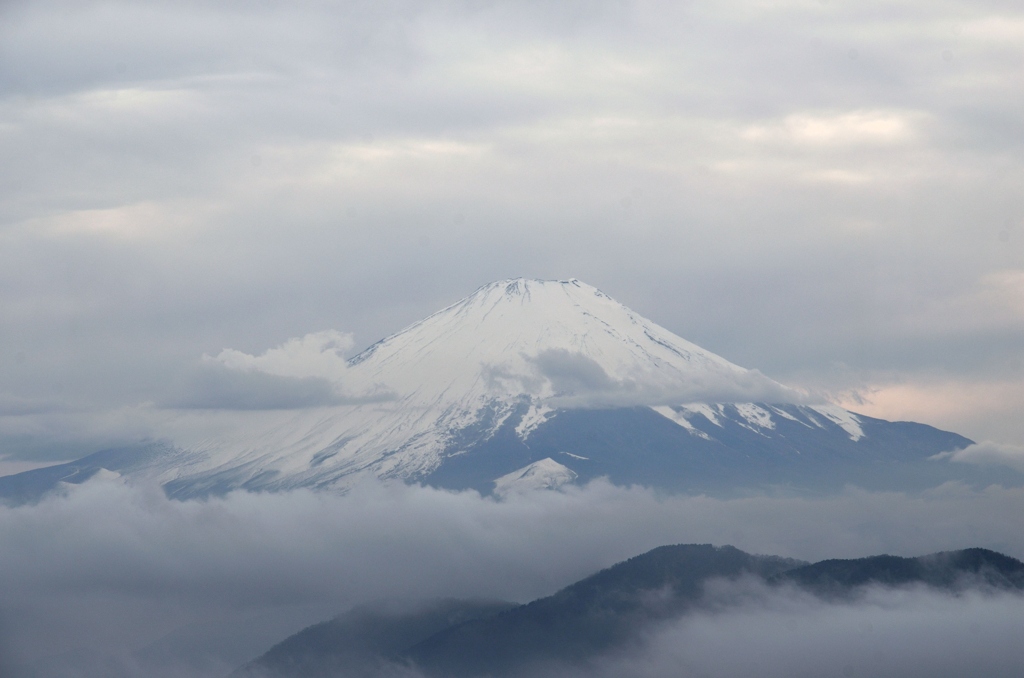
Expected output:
(536, 382)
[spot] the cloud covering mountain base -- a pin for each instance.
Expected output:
(116, 580)
(890, 633)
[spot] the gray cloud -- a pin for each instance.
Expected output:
(15, 406)
(572, 373)
(308, 371)
(912, 633)
(212, 386)
(114, 576)
(987, 452)
(580, 381)
(215, 387)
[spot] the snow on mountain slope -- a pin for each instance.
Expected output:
(540, 344)
(563, 342)
(523, 382)
(760, 417)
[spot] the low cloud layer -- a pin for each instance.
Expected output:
(319, 354)
(988, 453)
(215, 387)
(785, 634)
(122, 578)
(579, 381)
(308, 371)
(312, 371)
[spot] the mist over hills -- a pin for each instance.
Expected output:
(416, 446)
(609, 612)
(363, 641)
(524, 383)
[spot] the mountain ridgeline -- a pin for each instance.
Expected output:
(534, 384)
(606, 612)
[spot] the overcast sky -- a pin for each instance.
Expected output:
(826, 190)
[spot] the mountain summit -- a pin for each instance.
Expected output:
(530, 384)
(558, 342)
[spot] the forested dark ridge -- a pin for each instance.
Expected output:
(604, 612)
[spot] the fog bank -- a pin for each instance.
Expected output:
(114, 576)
